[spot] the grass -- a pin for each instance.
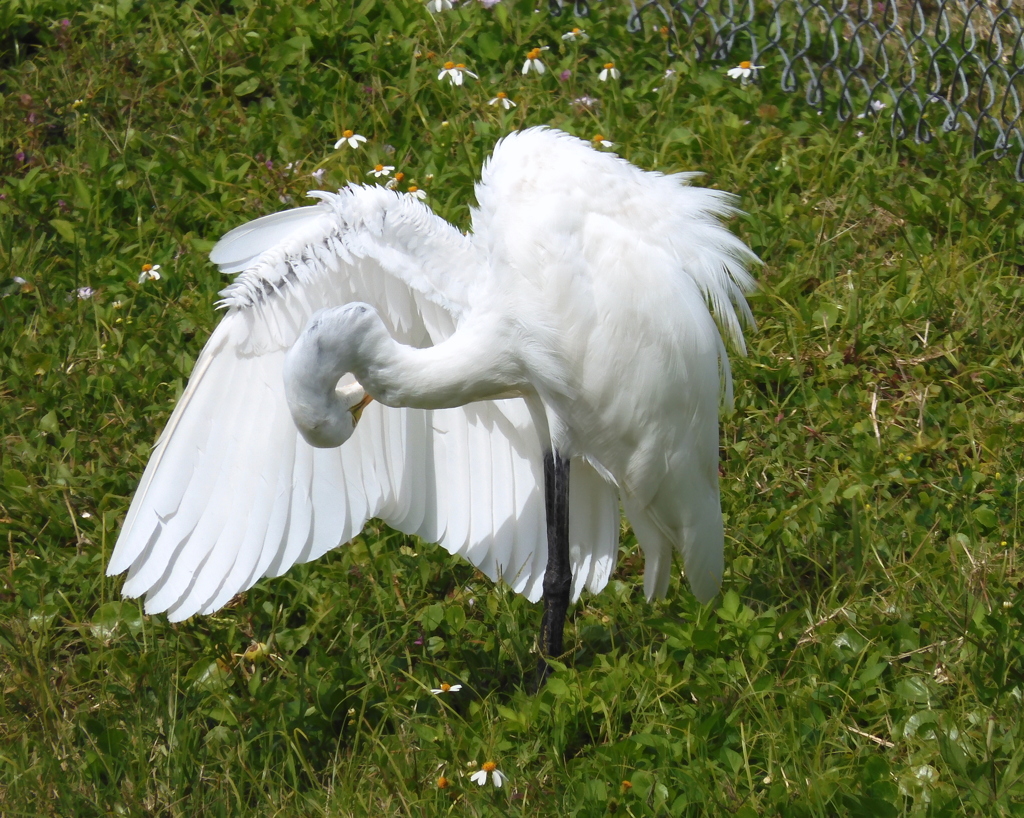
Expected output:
(865, 656)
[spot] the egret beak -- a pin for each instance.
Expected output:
(357, 410)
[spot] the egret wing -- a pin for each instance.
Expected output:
(232, 493)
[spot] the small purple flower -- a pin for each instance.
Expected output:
(269, 164)
(63, 206)
(20, 156)
(31, 119)
(65, 24)
(564, 75)
(85, 293)
(489, 4)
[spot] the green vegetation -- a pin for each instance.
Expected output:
(865, 657)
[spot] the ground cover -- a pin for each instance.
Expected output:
(865, 656)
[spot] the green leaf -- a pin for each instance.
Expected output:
(913, 689)
(455, 616)
(247, 86)
(111, 616)
(48, 423)
(432, 616)
(952, 752)
(828, 493)
(730, 606)
(986, 517)
(207, 674)
(14, 479)
(489, 47)
(65, 228)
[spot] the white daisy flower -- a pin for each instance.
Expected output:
(150, 272)
(533, 62)
(414, 191)
(437, 6)
(503, 100)
(350, 138)
(609, 70)
(381, 170)
(574, 35)
(445, 687)
(744, 71)
(454, 72)
(877, 106)
(600, 140)
(480, 776)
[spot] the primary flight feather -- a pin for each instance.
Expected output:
(499, 392)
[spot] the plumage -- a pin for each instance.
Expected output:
(574, 317)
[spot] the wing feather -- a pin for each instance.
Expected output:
(502, 511)
(432, 470)
(455, 428)
(480, 548)
(593, 528)
(242, 246)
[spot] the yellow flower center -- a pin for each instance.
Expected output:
(347, 134)
(378, 168)
(147, 267)
(460, 65)
(609, 65)
(442, 783)
(445, 687)
(597, 138)
(627, 785)
(489, 767)
(399, 176)
(533, 54)
(448, 66)
(577, 32)
(502, 95)
(745, 64)
(413, 189)
(663, 31)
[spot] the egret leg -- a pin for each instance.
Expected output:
(558, 576)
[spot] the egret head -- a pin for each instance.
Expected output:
(325, 412)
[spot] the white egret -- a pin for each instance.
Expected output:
(525, 379)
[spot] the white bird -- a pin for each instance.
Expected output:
(526, 378)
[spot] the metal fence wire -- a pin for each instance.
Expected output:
(952, 65)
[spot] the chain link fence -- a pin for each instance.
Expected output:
(949, 65)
